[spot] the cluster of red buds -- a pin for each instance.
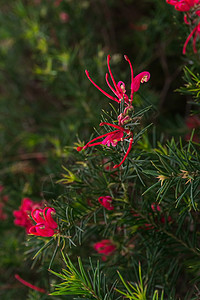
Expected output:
(191, 8)
(121, 132)
(29, 211)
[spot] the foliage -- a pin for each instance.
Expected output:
(49, 108)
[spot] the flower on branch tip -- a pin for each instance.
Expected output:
(106, 201)
(119, 88)
(192, 9)
(112, 138)
(45, 224)
(105, 247)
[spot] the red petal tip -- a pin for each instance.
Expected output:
(126, 57)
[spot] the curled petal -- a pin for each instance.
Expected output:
(42, 230)
(48, 211)
(140, 78)
(37, 215)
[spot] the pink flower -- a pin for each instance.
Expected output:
(112, 138)
(106, 201)
(22, 216)
(183, 5)
(45, 224)
(105, 247)
(64, 17)
(195, 32)
(192, 9)
(119, 88)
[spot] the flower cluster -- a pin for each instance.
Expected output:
(121, 132)
(45, 224)
(191, 8)
(105, 247)
(22, 216)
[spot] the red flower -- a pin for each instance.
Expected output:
(112, 138)
(106, 201)
(22, 216)
(183, 5)
(192, 9)
(105, 247)
(45, 224)
(119, 88)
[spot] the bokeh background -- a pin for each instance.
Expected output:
(47, 103)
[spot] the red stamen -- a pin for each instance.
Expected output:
(125, 156)
(132, 76)
(99, 137)
(106, 94)
(115, 126)
(186, 20)
(194, 42)
(115, 92)
(188, 38)
(111, 75)
(30, 285)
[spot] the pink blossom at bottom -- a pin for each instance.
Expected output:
(105, 247)
(22, 216)
(45, 224)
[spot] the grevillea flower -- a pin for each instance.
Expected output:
(119, 88)
(106, 201)
(192, 10)
(111, 138)
(45, 224)
(22, 216)
(183, 5)
(33, 287)
(105, 247)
